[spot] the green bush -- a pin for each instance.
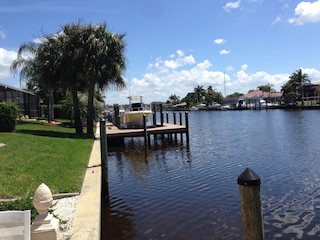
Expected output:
(20, 205)
(8, 116)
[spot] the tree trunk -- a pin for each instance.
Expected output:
(50, 103)
(77, 115)
(90, 114)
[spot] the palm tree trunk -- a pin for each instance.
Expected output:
(90, 114)
(50, 103)
(77, 115)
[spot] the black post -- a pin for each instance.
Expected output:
(175, 122)
(116, 120)
(105, 201)
(187, 127)
(180, 118)
(250, 198)
(161, 114)
(145, 130)
(154, 115)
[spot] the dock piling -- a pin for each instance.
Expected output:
(250, 199)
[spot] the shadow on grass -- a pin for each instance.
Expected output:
(55, 134)
(62, 130)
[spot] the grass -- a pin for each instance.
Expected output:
(36, 153)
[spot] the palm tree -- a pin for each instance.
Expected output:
(71, 43)
(38, 70)
(199, 94)
(209, 95)
(174, 99)
(105, 63)
(293, 89)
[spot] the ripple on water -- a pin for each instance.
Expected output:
(191, 192)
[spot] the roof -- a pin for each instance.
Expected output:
(262, 94)
(138, 97)
(16, 89)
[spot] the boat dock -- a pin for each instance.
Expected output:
(117, 135)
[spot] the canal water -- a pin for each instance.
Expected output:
(177, 191)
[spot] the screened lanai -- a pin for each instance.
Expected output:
(28, 103)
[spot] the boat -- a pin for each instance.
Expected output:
(133, 115)
(225, 107)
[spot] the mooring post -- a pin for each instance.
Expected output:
(104, 160)
(175, 122)
(250, 199)
(116, 120)
(145, 130)
(161, 115)
(180, 121)
(167, 117)
(187, 127)
(154, 115)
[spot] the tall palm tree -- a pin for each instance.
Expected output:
(39, 69)
(105, 62)
(71, 43)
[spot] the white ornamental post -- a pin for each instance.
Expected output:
(44, 226)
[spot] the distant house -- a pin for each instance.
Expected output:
(311, 92)
(258, 95)
(28, 103)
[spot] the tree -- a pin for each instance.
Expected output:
(189, 99)
(266, 88)
(38, 70)
(209, 95)
(293, 89)
(174, 99)
(105, 62)
(199, 93)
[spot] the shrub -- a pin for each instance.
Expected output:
(8, 116)
(20, 205)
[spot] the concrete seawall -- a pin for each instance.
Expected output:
(86, 224)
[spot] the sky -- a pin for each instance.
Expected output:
(173, 46)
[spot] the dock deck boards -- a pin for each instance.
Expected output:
(114, 132)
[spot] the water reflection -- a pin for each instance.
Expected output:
(173, 191)
(142, 166)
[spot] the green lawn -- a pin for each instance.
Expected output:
(36, 153)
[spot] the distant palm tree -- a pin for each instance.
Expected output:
(174, 99)
(293, 89)
(199, 93)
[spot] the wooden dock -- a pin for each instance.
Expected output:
(113, 131)
(116, 135)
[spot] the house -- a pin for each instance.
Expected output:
(254, 97)
(28, 103)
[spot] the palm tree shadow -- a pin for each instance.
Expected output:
(55, 134)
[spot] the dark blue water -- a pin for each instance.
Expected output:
(180, 191)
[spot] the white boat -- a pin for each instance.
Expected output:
(133, 116)
(225, 108)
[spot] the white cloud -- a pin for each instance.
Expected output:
(232, 5)
(219, 41)
(306, 12)
(6, 59)
(244, 67)
(229, 68)
(224, 52)
(276, 20)
(2, 34)
(160, 81)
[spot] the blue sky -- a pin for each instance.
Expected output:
(175, 45)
